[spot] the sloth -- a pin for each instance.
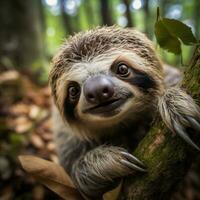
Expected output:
(108, 85)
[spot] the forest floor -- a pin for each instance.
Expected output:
(26, 128)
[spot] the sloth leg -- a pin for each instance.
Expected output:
(100, 170)
(180, 113)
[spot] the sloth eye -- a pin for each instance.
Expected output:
(73, 91)
(123, 70)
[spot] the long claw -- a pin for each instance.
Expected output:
(184, 135)
(132, 158)
(132, 166)
(194, 123)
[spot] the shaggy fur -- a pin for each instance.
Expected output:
(92, 52)
(179, 112)
(101, 41)
(94, 149)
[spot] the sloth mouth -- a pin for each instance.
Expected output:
(105, 107)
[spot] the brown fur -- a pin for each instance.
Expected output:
(87, 45)
(98, 164)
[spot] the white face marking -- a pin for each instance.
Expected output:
(79, 72)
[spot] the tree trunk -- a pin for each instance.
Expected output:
(128, 13)
(67, 21)
(148, 25)
(21, 37)
(76, 22)
(197, 18)
(105, 13)
(167, 157)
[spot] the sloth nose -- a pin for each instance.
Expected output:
(98, 89)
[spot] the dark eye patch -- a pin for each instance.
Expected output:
(142, 80)
(135, 77)
(69, 110)
(70, 103)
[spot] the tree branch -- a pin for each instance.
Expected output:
(167, 157)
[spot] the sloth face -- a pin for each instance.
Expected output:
(105, 77)
(107, 90)
(103, 95)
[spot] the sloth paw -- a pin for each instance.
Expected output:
(118, 162)
(180, 113)
(113, 161)
(101, 169)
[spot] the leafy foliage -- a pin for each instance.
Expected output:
(170, 33)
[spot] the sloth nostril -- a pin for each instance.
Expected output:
(90, 96)
(105, 90)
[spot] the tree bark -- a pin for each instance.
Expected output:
(105, 13)
(67, 21)
(197, 18)
(128, 13)
(148, 25)
(21, 40)
(167, 157)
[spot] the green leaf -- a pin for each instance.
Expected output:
(180, 30)
(165, 39)
(169, 32)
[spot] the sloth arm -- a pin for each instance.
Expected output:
(95, 168)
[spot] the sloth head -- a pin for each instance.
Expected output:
(105, 77)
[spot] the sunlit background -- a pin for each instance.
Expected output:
(45, 24)
(85, 14)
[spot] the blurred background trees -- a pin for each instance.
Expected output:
(31, 31)
(22, 34)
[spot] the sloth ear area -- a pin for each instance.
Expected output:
(180, 114)
(172, 76)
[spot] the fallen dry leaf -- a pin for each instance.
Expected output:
(37, 141)
(113, 194)
(45, 135)
(54, 158)
(19, 109)
(34, 111)
(51, 146)
(21, 124)
(9, 76)
(51, 175)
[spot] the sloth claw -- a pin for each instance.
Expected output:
(194, 123)
(132, 162)
(132, 158)
(180, 112)
(132, 166)
(183, 134)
